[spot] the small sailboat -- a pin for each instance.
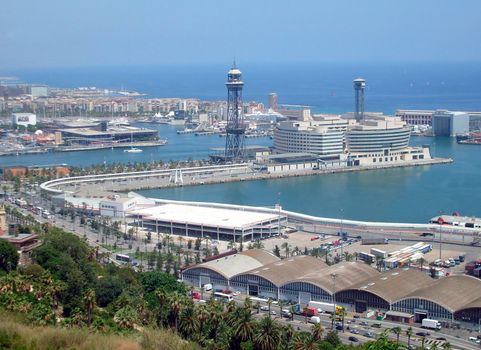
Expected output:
(132, 148)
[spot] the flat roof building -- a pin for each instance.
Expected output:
(217, 223)
(447, 123)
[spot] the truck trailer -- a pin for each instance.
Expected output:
(431, 324)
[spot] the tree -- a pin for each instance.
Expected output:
(317, 331)
(8, 256)
(243, 326)
(397, 331)
(277, 251)
(332, 338)
(286, 248)
(268, 334)
(409, 333)
(89, 300)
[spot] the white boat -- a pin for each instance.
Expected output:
(133, 150)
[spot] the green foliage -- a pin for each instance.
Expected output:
(154, 280)
(8, 256)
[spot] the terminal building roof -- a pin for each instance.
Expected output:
(282, 271)
(231, 265)
(395, 284)
(339, 276)
(453, 293)
(205, 216)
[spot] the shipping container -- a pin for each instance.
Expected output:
(374, 241)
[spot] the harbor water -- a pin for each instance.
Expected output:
(403, 194)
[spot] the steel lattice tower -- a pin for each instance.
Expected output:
(359, 85)
(235, 130)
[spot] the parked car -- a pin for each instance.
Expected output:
(354, 331)
(353, 339)
(422, 334)
(264, 308)
(339, 327)
(364, 323)
(368, 334)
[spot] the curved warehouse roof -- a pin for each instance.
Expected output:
(454, 293)
(285, 270)
(395, 284)
(235, 264)
(347, 274)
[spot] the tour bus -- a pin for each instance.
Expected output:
(123, 258)
(223, 296)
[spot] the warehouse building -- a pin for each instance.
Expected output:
(450, 298)
(408, 294)
(265, 281)
(217, 223)
(218, 272)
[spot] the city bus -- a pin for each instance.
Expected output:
(223, 296)
(123, 258)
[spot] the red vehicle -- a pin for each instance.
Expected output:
(195, 295)
(310, 311)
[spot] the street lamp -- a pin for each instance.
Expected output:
(334, 276)
(279, 214)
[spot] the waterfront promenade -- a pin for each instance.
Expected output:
(84, 185)
(141, 180)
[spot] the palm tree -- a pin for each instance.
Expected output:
(288, 334)
(447, 346)
(268, 335)
(422, 261)
(247, 303)
(286, 248)
(269, 303)
(189, 324)
(89, 300)
(409, 333)
(175, 307)
(258, 306)
(333, 319)
(202, 315)
(244, 326)
(317, 331)
(396, 330)
(304, 341)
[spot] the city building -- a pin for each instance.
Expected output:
(322, 137)
(201, 221)
(447, 123)
(273, 101)
(37, 90)
(116, 206)
(415, 117)
(24, 119)
(120, 134)
(3, 221)
(376, 135)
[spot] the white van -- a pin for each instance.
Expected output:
(315, 319)
(207, 287)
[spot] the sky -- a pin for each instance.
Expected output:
(61, 33)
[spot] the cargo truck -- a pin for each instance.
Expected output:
(324, 307)
(431, 324)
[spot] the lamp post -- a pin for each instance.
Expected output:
(342, 245)
(440, 222)
(334, 276)
(279, 214)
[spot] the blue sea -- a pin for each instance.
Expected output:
(325, 87)
(406, 194)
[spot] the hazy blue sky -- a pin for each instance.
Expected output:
(41, 33)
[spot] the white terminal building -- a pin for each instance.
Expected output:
(216, 223)
(376, 139)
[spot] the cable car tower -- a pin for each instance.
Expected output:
(235, 130)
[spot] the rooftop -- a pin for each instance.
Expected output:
(395, 284)
(199, 215)
(449, 294)
(286, 270)
(238, 263)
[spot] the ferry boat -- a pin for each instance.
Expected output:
(133, 150)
